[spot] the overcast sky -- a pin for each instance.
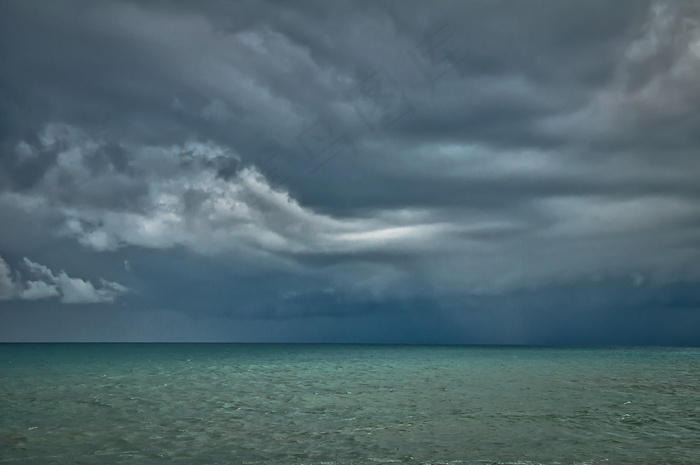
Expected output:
(400, 171)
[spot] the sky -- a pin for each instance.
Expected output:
(467, 172)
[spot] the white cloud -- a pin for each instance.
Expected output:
(38, 290)
(77, 291)
(241, 212)
(552, 238)
(48, 285)
(37, 269)
(188, 204)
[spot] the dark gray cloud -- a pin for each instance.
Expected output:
(394, 171)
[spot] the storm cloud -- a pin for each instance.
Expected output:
(460, 172)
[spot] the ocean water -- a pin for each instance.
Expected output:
(347, 404)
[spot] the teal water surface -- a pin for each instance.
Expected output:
(347, 404)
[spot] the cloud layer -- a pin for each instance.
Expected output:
(331, 161)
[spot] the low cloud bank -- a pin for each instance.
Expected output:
(44, 284)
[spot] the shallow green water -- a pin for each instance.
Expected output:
(314, 404)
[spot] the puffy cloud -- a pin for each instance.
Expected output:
(77, 291)
(37, 290)
(48, 285)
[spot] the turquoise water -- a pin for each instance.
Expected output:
(345, 404)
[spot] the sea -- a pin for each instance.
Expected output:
(339, 404)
